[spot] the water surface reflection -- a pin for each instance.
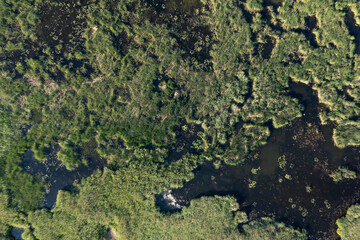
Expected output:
(293, 182)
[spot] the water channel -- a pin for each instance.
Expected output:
(300, 192)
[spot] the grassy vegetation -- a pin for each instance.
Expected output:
(19, 191)
(349, 225)
(147, 64)
(126, 199)
(347, 134)
(342, 173)
(24, 190)
(133, 83)
(8, 216)
(130, 73)
(127, 202)
(267, 228)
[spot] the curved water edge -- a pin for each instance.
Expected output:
(17, 232)
(110, 235)
(287, 178)
(168, 202)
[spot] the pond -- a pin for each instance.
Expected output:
(55, 174)
(288, 178)
(17, 232)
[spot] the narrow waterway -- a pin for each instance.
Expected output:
(288, 178)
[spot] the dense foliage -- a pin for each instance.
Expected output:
(139, 75)
(349, 224)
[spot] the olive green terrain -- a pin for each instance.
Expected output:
(133, 75)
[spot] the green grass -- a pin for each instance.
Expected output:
(342, 173)
(347, 134)
(349, 224)
(128, 74)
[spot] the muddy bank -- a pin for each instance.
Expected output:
(288, 178)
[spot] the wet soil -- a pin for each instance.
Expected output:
(293, 183)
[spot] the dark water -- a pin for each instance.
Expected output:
(186, 134)
(310, 23)
(274, 3)
(17, 232)
(354, 29)
(62, 23)
(300, 192)
(56, 176)
(268, 47)
(197, 40)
